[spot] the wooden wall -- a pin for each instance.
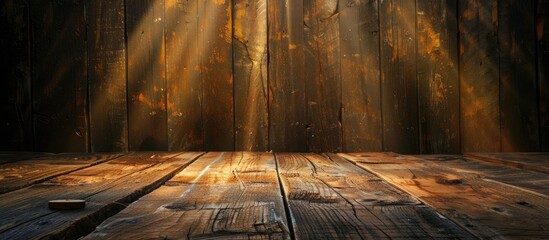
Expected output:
(424, 76)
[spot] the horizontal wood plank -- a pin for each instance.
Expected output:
(487, 209)
(219, 196)
(107, 188)
(523, 179)
(21, 174)
(8, 157)
(538, 162)
(331, 198)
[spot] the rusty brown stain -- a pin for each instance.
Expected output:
(228, 25)
(438, 89)
(468, 14)
(159, 105)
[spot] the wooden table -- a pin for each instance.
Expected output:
(243, 195)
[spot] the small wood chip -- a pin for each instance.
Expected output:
(66, 204)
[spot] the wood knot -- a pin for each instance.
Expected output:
(449, 181)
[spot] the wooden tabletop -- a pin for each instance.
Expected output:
(264, 195)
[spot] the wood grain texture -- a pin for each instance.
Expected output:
(538, 162)
(20, 174)
(488, 209)
(287, 88)
(360, 75)
(542, 41)
(219, 196)
(215, 44)
(398, 76)
(107, 76)
(15, 87)
(147, 119)
(437, 76)
(518, 97)
(524, 179)
(107, 189)
(479, 76)
(330, 198)
(59, 84)
(183, 73)
(250, 75)
(8, 157)
(322, 75)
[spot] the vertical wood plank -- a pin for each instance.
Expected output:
(360, 75)
(147, 117)
(479, 76)
(321, 37)
(287, 99)
(398, 76)
(542, 35)
(518, 97)
(107, 76)
(15, 87)
(216, 47)
(437, 76)
(59, 75)
(183, 72)
(250, 75)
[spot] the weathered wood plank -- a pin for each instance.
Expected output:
(59, 84)
(322, 75)
(183, 73)
(360, 75)
(523, 179)
(107, 76)
(107, 188)
(488, 209)
(17, 175)
(287, 99)
(517, 67)
(538, 162)
(250, 75)
(437, 76)
(147, 119)
(479, 76)
(215, 44)
(542, 37)
(8, 157)
(398, 76)
(330, 198)
(15, 87)
(220, 196)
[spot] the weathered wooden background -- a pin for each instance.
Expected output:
(430, 76)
